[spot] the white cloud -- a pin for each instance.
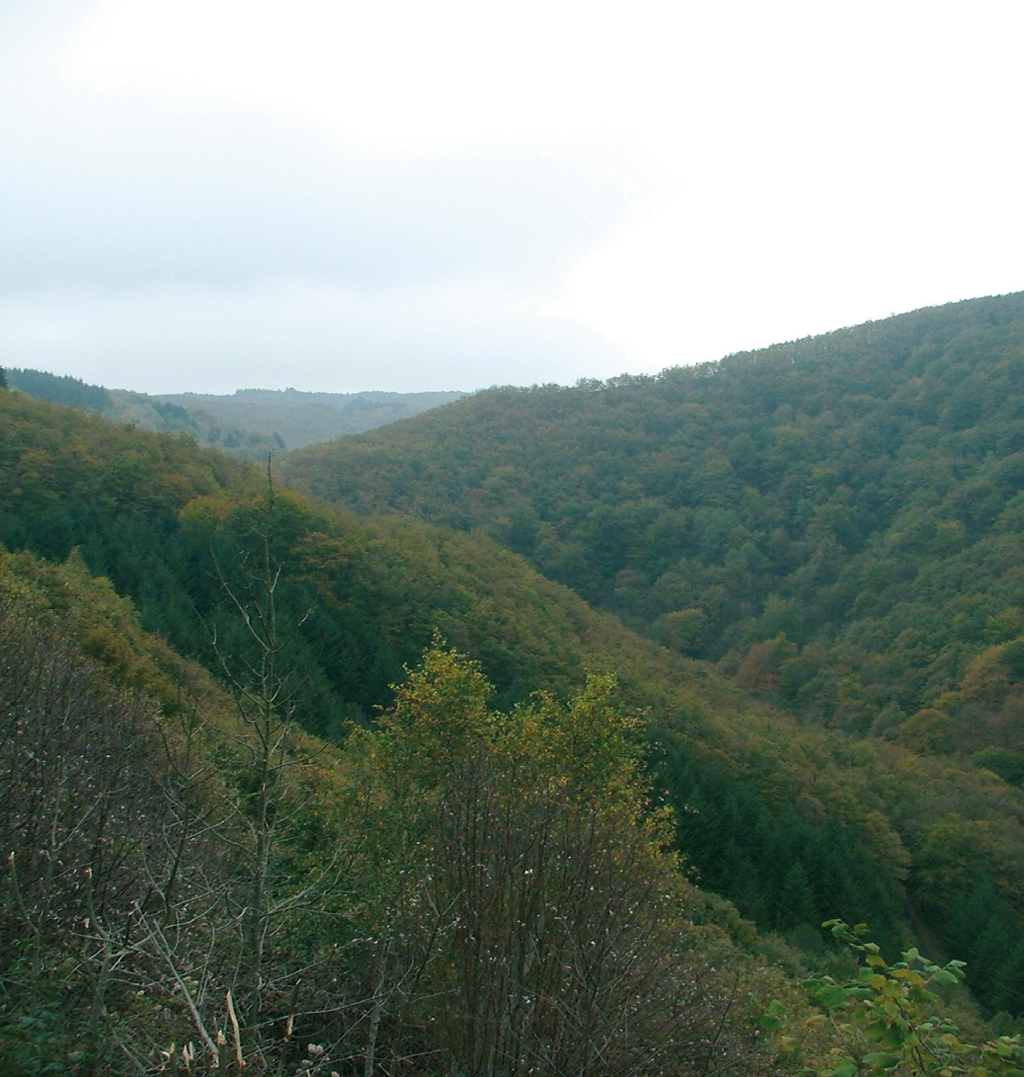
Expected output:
(317, 337)
(244, 217)
(212, 181)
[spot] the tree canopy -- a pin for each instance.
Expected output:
(857, 762)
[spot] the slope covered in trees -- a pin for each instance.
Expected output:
(793, 824)
(837, 522)
(147, 413)
(194, 885)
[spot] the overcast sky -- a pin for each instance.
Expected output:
(215, 194)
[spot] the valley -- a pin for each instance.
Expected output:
(742, 642)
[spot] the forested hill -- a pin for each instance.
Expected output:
(836, 522)
(792, 824)
(147, 413)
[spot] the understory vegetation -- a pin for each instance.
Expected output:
(193, 883)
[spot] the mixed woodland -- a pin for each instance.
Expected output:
(540, 733)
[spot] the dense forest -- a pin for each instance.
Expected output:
(549, 751)
(836, 523)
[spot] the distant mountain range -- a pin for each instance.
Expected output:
(250, 422)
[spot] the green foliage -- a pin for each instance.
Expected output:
(70, 479)
(781, 869)
(890, 1019)
(837, 523)
(61, 390)
(857, 494)
(787, 821)
(541, 889)
(459, 885)
(135, 841)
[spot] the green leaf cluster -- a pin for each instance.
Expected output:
(891, 1021)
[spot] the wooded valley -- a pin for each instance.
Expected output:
(536, 734)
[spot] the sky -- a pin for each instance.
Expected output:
(209, 195)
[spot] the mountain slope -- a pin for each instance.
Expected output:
(147, 413)
(794, 824)
(139, 857)
(837, 521)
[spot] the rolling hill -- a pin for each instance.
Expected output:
(251, 422)
(793, 822)
(836, 523)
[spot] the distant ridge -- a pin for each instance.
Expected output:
(304, 418)
(249, 422)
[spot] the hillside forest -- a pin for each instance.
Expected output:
(539, 733)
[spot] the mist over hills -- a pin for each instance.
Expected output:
(302, 418)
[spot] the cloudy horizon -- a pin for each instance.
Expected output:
(212, 196)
